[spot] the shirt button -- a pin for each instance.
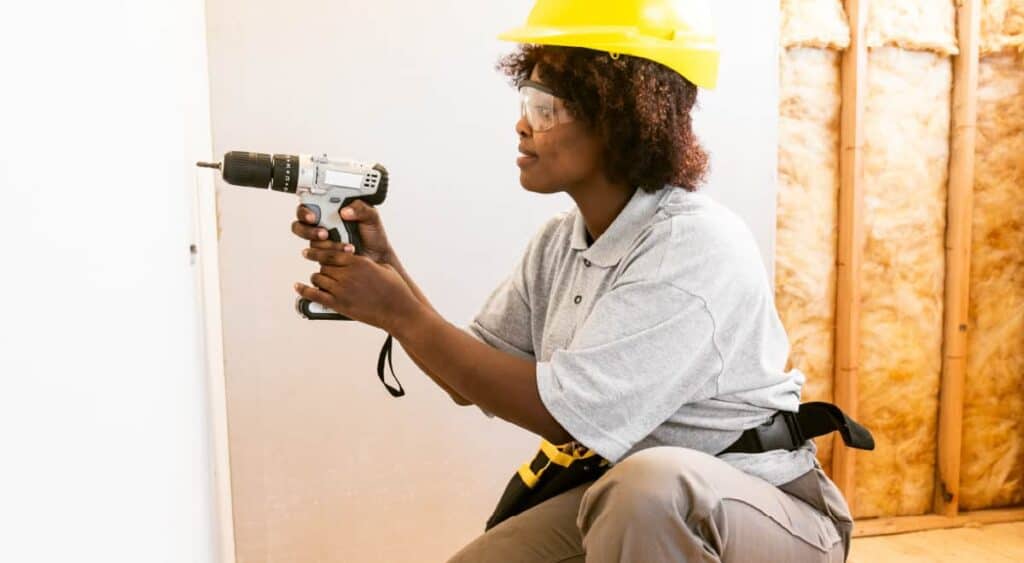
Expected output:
(586, 262)
(578, 299)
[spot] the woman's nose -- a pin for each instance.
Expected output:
(523, 127)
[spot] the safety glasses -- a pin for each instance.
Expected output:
(538, 105)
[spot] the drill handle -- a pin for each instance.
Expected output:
(326, 209)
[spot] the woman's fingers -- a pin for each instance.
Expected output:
(314, 294)
(305, 214)
(325, 283)
(330, 257)
(330, 245)
(309, 232)
(306, 227)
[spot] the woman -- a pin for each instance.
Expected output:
(640, 326)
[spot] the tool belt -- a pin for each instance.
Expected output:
(556, 469)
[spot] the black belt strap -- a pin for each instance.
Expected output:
(789, 431)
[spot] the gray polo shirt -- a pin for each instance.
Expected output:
(662, 332)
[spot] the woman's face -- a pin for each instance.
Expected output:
(560, 158)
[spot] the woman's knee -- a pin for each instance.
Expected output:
(652, 471)
(650, 483)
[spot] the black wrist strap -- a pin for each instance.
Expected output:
(385, 352)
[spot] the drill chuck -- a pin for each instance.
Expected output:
(252, 169)
(279, 172)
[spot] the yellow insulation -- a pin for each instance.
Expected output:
(992, 463)
(906, 156)
(814, 23)
(913, 24)
(1002, 25)
(805, 273)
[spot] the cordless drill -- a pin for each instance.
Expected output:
(324, 186)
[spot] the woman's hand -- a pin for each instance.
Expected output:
(359, 288)
(375, 241)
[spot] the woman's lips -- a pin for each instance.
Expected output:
(525, 158)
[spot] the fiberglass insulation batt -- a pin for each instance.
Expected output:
(814, 23)
(805, 273)
(921, 25)
(992, 460)
(1002, 26)
(906, 158)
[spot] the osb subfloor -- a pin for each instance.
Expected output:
(992, 543)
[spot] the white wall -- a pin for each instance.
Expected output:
(104, 420)
(739, 120)
(326, 465)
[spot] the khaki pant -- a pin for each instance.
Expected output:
(678, 505)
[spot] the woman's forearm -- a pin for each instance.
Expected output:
(394, 262)
(499, 383)
(459, 399)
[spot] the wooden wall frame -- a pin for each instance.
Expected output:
(946, 506)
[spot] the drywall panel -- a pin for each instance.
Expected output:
(104, 409)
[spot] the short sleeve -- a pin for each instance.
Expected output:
(646, 349)
(504, 322)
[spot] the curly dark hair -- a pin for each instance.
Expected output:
(639, 107)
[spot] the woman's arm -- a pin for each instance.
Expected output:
(375, 247)
(394, 262)
(499, 383)
(459, 399)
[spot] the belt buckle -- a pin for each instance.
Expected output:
(780, 433)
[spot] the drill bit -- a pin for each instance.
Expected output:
(208, 165)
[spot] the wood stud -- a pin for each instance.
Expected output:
(850, 249)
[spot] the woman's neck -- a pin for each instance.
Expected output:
(600, 202)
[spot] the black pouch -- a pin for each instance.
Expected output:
(553, 471)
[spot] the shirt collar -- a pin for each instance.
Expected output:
(612, 245)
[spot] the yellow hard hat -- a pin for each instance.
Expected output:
(675, 33)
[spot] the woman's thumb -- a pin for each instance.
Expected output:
(359, 211)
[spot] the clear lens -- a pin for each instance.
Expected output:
(540, 109)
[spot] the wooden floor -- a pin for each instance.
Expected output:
(992, 543)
